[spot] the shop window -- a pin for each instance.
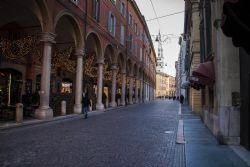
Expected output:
(66, 86)
(10, 87)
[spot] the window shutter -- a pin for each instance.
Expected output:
(99, 9)
(121, 6)
(114, 25)
(125, 10)
(109, 22)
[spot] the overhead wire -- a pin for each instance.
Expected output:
(155, 13)
(171, 14)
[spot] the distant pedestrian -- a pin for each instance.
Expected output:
(181, 99)
(85, 105)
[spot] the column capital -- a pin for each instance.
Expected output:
(48, 37)
(79, 52)
(123, 71)
(131, 76)
(114, 67)
(101, 61)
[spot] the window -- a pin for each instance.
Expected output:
(141, 36)
(122, 35)
(96, 10)
(140, 54)
(130, 19)
(122, 8)
(111, 23)
(135, 28)
(130, 42)
(75, 2)
(136, 52)
(113, 1)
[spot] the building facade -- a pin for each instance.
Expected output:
(222, 76)
(53, 50)
(165, 85)
(192, 33)
(181, 72)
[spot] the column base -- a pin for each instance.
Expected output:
(44, 113)
(99, 106)
(123, 103)
(131, 102)
(113, 104)
(78, 108)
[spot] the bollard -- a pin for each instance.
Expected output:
(19, 112)
(63, 107)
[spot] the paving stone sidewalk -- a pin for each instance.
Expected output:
(202, 148)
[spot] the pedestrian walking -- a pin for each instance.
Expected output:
(181, 99)
(85, 105)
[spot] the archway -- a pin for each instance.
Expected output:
(120, 74)
(93, 55)
(20, 28)
(107, 71)
(64, 62)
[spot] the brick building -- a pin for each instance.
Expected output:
(53, 50)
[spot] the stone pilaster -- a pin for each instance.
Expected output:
(123, 103)
(99, 104)
(131, 89)
(141, 91)
(114, 73)
(136, 91)
(44, 111)
(79, 76)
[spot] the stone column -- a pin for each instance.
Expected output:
(136, 91)
(123, 103)
(141, 90)
(114, 73)
(44, 111)
(79, 75)
(99, 105)
(131, 89)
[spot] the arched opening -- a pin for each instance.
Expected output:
(121, 69)
(63, 64)
(20, 28)
(107, 71)
(93, 55)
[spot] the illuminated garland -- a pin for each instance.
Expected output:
(61, 59)
(19, 49)
(91, 69)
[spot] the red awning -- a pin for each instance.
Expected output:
(235, 22)
(205, 73)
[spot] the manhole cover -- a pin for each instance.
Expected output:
(169, 132)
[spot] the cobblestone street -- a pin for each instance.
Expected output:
(134, 136)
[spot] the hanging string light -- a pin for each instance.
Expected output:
(17, 50)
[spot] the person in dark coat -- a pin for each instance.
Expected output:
(85, 105)
(181, 99)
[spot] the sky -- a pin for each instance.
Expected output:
(167, 25)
